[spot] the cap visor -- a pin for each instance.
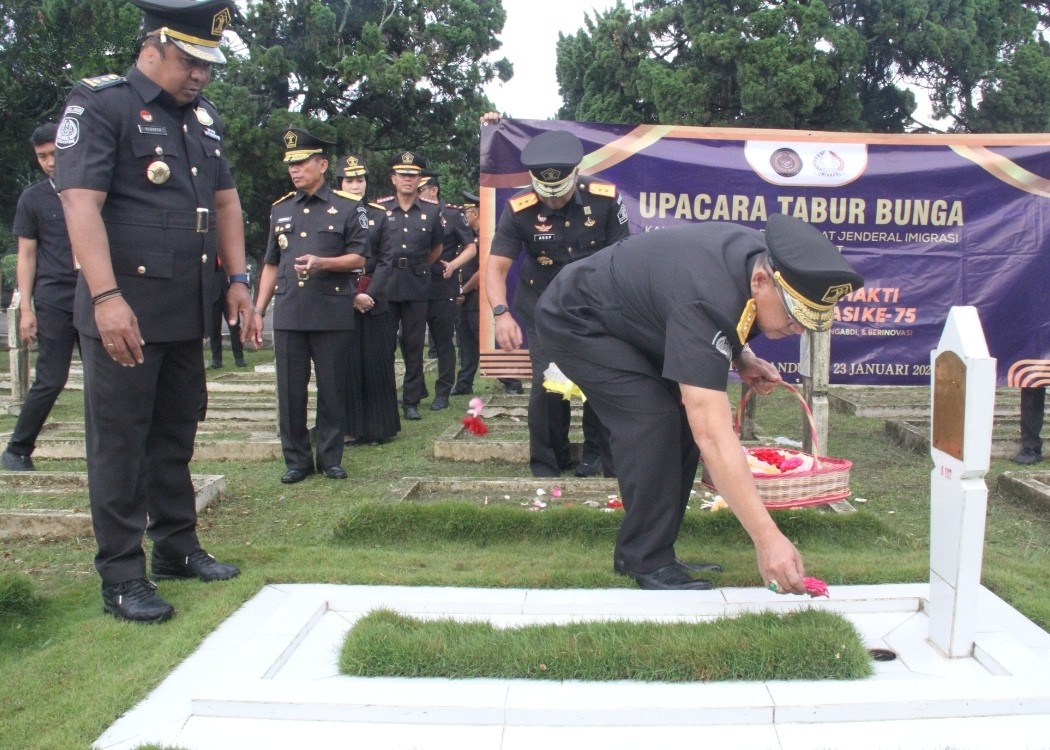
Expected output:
(554, 189)
(211, 55)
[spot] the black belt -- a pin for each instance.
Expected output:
(406, 262)
(202, 220)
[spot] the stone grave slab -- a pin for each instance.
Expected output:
(1030, 486)
(914, 434)
(55, 505)
(904, 401)
(506, 441)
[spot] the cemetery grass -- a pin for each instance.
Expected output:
(67, 671)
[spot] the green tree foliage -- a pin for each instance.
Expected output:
(850, 65)
(373, 76)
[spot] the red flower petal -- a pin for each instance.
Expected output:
(816, 587)
(475, 425)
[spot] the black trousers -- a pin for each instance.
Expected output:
(652, 445)
(1033, 403)
(330, 353)
(140, 424)
(441, 320)
(411, 317)
(468, 339)
(55, 340)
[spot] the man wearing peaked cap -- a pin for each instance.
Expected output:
(194, 26)
(648, 329)
(418, 229)
(468, 316)
(151, 201)
(562, 218)
(318, 239)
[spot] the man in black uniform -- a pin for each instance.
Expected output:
(47, 278)
(459, 247)
(417, 228)
(561, 219)
(318, 238)
(468, 318)
(150, 204)
(648, 330)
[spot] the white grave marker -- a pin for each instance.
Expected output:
(963, 401)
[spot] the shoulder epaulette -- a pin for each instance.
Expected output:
(427, 200)
(385, 199)
(284, 198)
(605, 189)
(376, 204)
(521, 202)
(351, 196)
(97, 83)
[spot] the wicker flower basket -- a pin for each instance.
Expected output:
(827, 481)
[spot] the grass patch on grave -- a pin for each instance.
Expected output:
(805, 645)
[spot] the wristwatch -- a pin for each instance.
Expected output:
(242, 278)
(499, 310)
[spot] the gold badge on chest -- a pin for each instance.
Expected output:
(158, 172)
(203, 117)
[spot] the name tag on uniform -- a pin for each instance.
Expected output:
(152, 129)
(542, 237)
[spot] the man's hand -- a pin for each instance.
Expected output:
(119, 329)
(756, 372)
(508, 332)
(239, 310)
(27, 325)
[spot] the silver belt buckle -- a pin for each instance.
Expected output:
(202, 220)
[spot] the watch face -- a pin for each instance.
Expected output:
(499, 309)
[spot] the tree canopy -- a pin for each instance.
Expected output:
(373, 76)
(848, 65)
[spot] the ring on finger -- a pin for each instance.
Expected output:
(774, 586)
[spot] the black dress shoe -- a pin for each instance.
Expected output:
(197, 564)
(335, 472)
(462, 390)
(294, 476)
(669, 577)
(216, 364)
(412, 412)
(136, 600)
(589, 466)
(702, 567)
(240, 363)
(514, 390)
(16, 462)
(1026, 457)
(439, 403)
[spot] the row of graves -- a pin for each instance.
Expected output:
(241, 425)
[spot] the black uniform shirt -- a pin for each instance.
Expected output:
(113, 132)
(593, 219)
(413, 234)
(457, 235)
(377, 265)
(328, 224)
(668, 300)
(39, 217)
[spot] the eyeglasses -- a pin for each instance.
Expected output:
(192, 63)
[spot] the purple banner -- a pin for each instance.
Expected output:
(929, 221)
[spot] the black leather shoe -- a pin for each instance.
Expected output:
(294, 476)
(669, 577)
(439, 403)
(240, 363)
(589, 466)
(1026, 457)
(197, 564)
(136, 600)
(701, 567)
(216, 364)
(412, 412)
(514, 390)
(335, 472)
(16, 462)
(462, 390)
